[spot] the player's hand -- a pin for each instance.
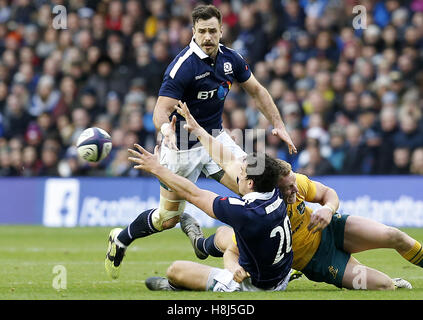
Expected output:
(191, 124)
(320, 219)
(240, 274)
(143, 159)
(284, 136)
(169, 135)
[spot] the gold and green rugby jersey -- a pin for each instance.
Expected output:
(304, 242)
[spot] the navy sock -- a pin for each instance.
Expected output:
(207, 246)
(141, 227)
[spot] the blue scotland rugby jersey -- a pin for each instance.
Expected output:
(263, 234)
(193, 77)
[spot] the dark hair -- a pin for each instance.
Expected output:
(263, 170)
(205, 12)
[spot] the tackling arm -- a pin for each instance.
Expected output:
(326, 196)
(329, 200)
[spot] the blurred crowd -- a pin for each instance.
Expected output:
(352, 99)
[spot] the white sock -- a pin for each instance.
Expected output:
(120, 244)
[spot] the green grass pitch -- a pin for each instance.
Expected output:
(29, 255)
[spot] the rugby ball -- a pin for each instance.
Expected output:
(94, 144)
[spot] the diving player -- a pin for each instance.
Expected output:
(201, 75)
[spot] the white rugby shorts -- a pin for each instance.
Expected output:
(190, 163)
(221, 280)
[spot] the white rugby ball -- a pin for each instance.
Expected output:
(94, 144)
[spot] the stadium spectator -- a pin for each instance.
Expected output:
(409, 136)
(293, 19)
(355, 151)
(65, 129)
(81, 120)
(50, 158)
(15, 118)
(31, 164)
(4, 91)
(5, 168)
(102, 79)
(46, 97)
(119, 166)
(251, 42)
(337, 146)
(401, 160)
(68, 92)
(416, 166)
(147, 69)
(88, 100)
(114, 15)
(317, 165)
(388, 127)
(113, 107)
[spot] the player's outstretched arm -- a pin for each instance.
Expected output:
(217, 151)
(144, 160)
(265, 103)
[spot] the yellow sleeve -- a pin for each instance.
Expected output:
(233, 238)
(306, 187)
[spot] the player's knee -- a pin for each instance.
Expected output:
(173, 273)
(168, 224)
(167, 215)
(395, 238)
(170, 272)
(223, 237)
(384, 285)
(224, 230)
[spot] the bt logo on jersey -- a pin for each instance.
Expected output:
(204, 95)
(222, 92)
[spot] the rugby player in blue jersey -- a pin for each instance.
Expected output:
(200, 75)
(262, 257)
